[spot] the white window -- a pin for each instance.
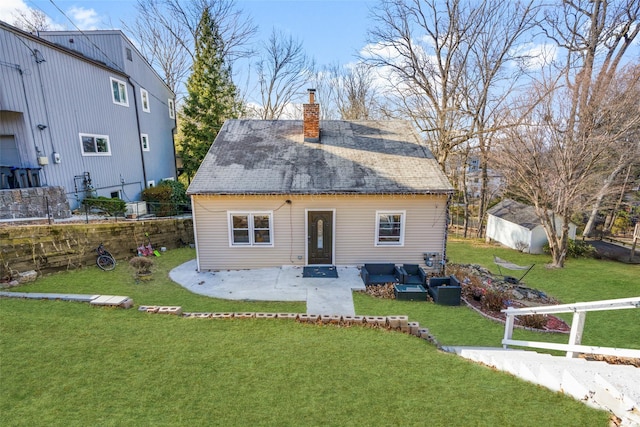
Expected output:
(251, 229)
(390, 228)
(172, 111)
(144, 96)
(144, 140)
(119, 92)
(95, 145)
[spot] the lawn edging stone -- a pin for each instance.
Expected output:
(398, 323)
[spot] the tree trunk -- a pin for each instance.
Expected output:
(602, 192)
(483, 199)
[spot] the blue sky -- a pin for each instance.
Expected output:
(331, 30)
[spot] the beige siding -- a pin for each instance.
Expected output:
(355, 222)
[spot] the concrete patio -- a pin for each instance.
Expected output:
(331, 296)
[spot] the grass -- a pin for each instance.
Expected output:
(580, 280)
(71, 364)
(160, 290)
(67, 363)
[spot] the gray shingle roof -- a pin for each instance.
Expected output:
(515, 212)
(365, 157)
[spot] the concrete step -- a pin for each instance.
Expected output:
(615, 388)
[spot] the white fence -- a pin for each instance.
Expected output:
(579, 310)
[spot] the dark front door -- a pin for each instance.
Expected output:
(320, 237)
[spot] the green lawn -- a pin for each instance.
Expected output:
(580, 280)
(64, 363)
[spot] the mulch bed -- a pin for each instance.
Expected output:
(553, 324)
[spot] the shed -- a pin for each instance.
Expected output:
(517, 226)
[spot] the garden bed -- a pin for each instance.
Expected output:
(551, 323)
(489, 294)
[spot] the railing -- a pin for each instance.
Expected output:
(579, 310)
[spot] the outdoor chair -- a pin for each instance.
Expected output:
(445, 290)
(414, 275)
(379, 274)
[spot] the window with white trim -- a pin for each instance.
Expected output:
(144, 96)
(390, 228)
(144, 140)
(251, 228)
(172, 108)
(95, 145)
(119, 92)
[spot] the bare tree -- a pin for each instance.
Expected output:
(550, 158)
(325, 81)
(424, 47)
(452, 64)
(166, 31)
(282, 72)
(356, 93)
(493, 73)
(621, 110)
(162, 46)
(32, 20)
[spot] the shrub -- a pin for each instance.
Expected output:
(142, 265)
(535, 321)
(113, 206)
(575, 249)
(494, 300)
(159, 199)
(522, 246)
(167, 198)
(178, 192)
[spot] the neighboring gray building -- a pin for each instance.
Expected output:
(83, 111)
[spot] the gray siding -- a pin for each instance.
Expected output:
(355, 223)
(72, 95)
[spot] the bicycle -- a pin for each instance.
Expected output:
(105, 260)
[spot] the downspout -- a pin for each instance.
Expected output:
(446, 234)
(135, 105)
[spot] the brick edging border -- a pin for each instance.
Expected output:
(399, 323)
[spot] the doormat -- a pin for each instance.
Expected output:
(329, 272)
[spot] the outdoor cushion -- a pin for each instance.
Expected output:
(414, 274)
(379, 274)
(445, 290)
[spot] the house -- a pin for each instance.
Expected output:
(517, 226)
(310, 192)
(82, 111)
(495, 182)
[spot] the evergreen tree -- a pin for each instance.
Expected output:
(211, 97)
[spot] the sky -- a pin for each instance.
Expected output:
(330, 30)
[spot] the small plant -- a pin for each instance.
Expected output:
(535, 321)
(142, 265)
(477, 292)
(113, 207)
(575, 249)
(522, 246)
(494, 300)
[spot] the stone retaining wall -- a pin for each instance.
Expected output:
(38, 202)
(50, 248)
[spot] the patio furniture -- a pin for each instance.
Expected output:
(445, 290)
(511, 266)
(379, 274)
(414, 275)
(410, 292)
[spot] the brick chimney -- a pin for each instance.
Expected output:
(311, 118)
